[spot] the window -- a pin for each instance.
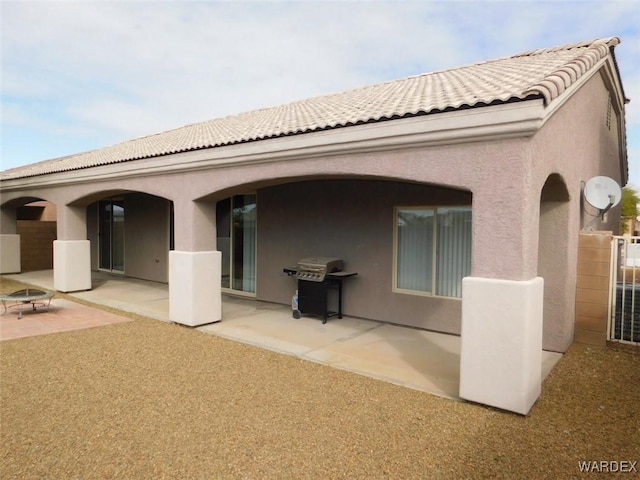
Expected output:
(432, 248)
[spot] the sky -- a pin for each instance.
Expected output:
(81, 75)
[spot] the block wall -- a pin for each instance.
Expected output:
(36, 244)
(592, 294)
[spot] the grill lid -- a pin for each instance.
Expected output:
(315, 269)
(320, 262)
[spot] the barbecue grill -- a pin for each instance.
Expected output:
(315, 269)
(317, 276)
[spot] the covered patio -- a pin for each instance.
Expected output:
(410, 357)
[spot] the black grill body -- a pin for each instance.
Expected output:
(314, 298)
(319, 286)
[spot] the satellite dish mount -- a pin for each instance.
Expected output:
(603, 193)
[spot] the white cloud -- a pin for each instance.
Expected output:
(117, 70)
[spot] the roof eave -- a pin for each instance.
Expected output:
(507, 120)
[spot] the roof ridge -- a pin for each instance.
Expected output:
(608, 41)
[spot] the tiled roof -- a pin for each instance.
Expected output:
(543, 73)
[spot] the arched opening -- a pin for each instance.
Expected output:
(553, 261)
(355, 219)
(130, 233)
(37, 227)
(33, 221)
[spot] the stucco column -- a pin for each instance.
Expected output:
(501, 345)
(71, 251)
(9, 242)
(195, 295)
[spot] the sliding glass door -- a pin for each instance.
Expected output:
(236, 239)
(111, 232)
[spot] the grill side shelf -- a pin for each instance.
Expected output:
(341, 275)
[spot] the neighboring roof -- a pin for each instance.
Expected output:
(543, 73)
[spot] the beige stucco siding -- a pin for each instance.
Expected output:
(352, 220)
(146, 237)
(577, 144)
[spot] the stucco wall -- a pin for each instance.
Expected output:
(576, 144)
(146, 237)
(352, 220)
(496, 171)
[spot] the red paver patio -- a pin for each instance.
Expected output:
(63, 316)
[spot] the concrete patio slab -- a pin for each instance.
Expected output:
(136, 296)
(132, 295)
(273, 327)
(40, 278)
(418, 359)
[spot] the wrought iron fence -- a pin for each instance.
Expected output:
(624, 290)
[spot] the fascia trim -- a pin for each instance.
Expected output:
(511, 120)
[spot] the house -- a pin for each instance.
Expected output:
(455, 195)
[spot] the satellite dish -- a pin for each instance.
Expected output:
(602, 193)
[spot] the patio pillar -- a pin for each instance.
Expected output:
(71, 251)
(502, 300)
(195, 295)
(9, 242)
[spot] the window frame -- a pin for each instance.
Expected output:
(434, 253)
(119, 201)
(230, 290)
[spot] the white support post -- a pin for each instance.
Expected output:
(10, 253)
(501, 345)
(71, 265)
(195, 295)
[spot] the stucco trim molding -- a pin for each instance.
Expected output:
(511, 120)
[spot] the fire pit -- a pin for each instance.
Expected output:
(29, 296)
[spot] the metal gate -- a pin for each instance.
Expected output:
(623, 324)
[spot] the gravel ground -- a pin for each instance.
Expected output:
(148, 399)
